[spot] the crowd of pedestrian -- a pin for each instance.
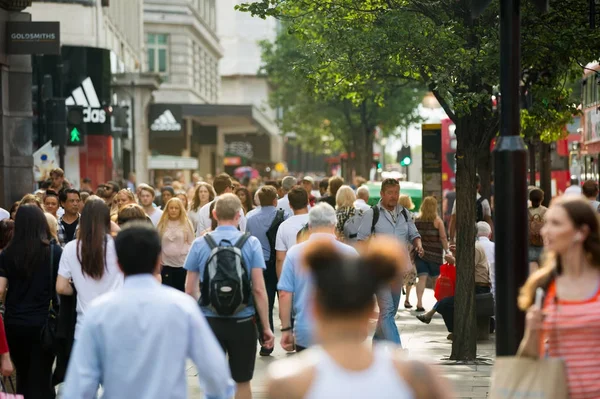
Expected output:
(117, 288)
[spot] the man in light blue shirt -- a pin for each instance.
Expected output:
(135, 341)
(295, 282)
(263, 224)
(394, 220)
(237, 333)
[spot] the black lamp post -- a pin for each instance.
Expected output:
(510, 163)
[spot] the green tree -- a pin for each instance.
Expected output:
(334, 122)
(437, 43)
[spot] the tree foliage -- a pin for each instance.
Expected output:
(356, 43)
(333, 123)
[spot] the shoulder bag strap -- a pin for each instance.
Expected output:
(52, 286)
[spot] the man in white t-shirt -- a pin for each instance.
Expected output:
(362, 196)
(146, 195)
(484, 212)
(4, 214)
(574, 188)
(287, 184)
(288, 230)
(222, 185)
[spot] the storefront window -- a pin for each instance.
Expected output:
(157, 45)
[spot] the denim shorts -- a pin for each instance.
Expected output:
(427, 267)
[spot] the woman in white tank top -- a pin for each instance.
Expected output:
(344, 365)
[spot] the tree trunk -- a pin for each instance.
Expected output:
(363, 152)
(484, 169)
(464, 346)
(532, 169)
(545, 173)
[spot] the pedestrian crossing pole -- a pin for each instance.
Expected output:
(510, 165)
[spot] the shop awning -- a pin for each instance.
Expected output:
(170, 162)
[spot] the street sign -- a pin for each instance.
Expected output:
(32, 37)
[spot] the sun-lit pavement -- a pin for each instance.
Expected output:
(426, 342)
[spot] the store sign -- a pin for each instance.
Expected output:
(85, 96)
(240, 148)
(165, 118)
(432, 162)
(33, 37)
(232, 161)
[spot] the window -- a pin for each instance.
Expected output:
(157, 47)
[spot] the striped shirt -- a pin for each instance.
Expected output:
(572, 332)
(431, 241)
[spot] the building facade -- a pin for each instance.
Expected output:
(242, 83)
(100, 42)
(16, 161)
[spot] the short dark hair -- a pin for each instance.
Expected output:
(389, 183)
(138, 248)
(590, 188)
(266, 195)
(169, 189)
(45, 184)
(536, 196)
(64, 194)
(324, 184)
(273, 183)
(87, 180)
(298, 198)
(221, 183)
(114, 185)
(477, 180)
(334, 185)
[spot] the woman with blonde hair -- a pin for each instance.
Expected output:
(344, 201)
(435, 243)
(177, 234)
(53, 226)
(125, 197)
(410, 278)
(204, 194)
(567, 325)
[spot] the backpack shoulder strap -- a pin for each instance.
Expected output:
(405, 214)
(278, 219)
(375, 217)
(240, 243)
(210, 241)
(480, 200)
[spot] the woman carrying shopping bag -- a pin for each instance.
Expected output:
(564, 323)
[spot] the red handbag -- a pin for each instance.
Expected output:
(446, 282)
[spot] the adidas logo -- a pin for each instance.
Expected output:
(166, 122)
(85, 96)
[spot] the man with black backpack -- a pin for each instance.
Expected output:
(227, 266)
(263, 224)
(389, 218)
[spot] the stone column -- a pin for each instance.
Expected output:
(16, 141)
(139, 87)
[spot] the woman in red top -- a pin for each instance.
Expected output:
(568, 325)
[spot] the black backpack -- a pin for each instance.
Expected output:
(353, 235)
(272, 235)
(226, 287)
(480, 209)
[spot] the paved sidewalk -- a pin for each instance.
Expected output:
(425, 342)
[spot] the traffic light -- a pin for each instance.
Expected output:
(404, 156)
(75, 127)
(55, 115)
(120, 120)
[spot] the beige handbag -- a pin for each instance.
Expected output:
(524, 378)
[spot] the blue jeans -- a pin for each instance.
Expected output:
(388, 302)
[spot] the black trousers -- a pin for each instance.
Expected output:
(174, 277)
(271, 286)
(33, 364)
(445, 307)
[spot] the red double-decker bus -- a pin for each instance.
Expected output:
(561, 159)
